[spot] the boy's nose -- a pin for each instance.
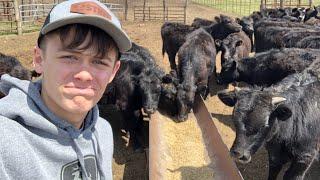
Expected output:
(83, 75)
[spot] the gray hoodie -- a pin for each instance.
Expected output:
(36, 144)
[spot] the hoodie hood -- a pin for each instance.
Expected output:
(32, 112)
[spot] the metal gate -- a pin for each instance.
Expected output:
(165, 13)
(7, 17)
(161, 11)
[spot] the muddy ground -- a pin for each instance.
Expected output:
(130, 165)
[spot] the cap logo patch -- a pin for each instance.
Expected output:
(89, 8)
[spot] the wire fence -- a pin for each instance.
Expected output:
(32, 12)
(246, 7)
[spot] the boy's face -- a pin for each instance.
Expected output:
(73, 80)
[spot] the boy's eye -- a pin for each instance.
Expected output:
(69, 57)
(100, 62)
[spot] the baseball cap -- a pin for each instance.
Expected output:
(91, 12)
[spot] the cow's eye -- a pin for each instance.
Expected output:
(250, 131)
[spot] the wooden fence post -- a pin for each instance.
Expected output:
(164, 10)
(18, 19)
(185, 11)
(281, 4)
(144, 7)
(262, 5)
(310, 3)
(126, 10)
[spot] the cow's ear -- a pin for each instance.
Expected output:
(166, 79)
(229, 98)
(282, 112)
(239, 43)
(202, 88)
(238, 20)
(217, 19)
(218, 42)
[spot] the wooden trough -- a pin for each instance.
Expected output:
(224, 166)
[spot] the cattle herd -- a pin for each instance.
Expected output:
(278, 105)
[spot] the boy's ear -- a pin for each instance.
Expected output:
(37, 59)
(115, 70)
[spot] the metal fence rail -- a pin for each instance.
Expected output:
(168, 13)
(31, 16)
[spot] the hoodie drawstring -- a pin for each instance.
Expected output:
(79, 153)
(98, 154)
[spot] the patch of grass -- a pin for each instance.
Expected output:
(8, 27)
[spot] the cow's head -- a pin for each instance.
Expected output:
(168, 97)
(230, 50)
(299, 13)
(247, 24)
(185, 100)
(229, 72)
(229, 24)
(150, 89)
(255, 116)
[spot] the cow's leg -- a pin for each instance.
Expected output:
(276, 160)
(299, 166)
(206, 93)
(136, 131)
(172, 60)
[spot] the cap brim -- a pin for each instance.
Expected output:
(120, 37)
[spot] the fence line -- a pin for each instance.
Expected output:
(171, 12)
(246, 7)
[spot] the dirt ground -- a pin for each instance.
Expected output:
(130, 165)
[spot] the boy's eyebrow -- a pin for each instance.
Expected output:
(79, 52)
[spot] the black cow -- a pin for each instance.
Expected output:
(309, 42)
(123, 92)
(312, 13)
(174, 34)
(234, 47)
(313, 21)
(298, 13)
(277, 37)
(278, 23)
(200, 22)
(168, 97)
(196, 65)
(149, 80)
(284, 118)
(10, 65)
(291, 39)
(247, 27)
(268, 67)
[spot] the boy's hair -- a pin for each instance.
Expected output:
(99, 40)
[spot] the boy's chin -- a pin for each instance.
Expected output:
(80, 105)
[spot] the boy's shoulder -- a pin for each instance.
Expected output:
(11, 131)
(103, 125)
(8, 124)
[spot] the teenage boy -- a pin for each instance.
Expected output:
(51, 129)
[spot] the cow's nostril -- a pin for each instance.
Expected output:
(245, 159)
